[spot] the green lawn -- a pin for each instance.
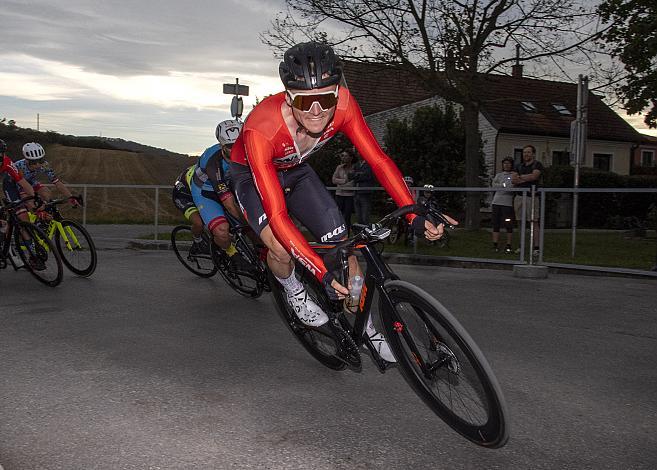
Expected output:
(593, 248)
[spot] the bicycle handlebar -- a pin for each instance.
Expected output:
(54, 202)
(8, 205)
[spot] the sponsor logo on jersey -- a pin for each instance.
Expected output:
(334, 233)
(303, 260)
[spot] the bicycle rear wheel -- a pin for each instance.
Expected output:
(200, 264)
(38, 253)
(319, 342)
(443, 365)
(237, 272)
(76, 248)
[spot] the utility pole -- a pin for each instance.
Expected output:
(578, 146)
(37, 122)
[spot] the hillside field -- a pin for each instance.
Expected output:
(75, 165)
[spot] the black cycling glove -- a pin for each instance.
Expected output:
(418, 225)
(326, 282)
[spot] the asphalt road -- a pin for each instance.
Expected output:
(144, 366)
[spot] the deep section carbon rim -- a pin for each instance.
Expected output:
(200, 263)
(444, 365)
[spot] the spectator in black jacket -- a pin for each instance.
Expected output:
(362, 176)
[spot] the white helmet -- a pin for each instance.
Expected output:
(408, 180)
(33, 151)
(228, 131)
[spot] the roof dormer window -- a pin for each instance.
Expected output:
(528, 106)
(561, 109)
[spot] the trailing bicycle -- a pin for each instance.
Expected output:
(72, 240)
(36, 251)
(245, 272)
(435, 354)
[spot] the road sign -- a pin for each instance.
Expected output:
(236, 89)
(236, 106)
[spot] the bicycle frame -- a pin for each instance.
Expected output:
(55, 225)
(376, 271)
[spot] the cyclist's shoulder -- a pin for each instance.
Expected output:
(266, 119)
(208, 153)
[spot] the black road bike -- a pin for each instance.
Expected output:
(35, 250)
(435, 354)
(246, 272)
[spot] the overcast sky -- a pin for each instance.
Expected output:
(144, 70)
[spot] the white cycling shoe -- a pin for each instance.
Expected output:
(306, 309)
(381, 346)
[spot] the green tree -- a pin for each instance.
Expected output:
(430, 148)
(632, 37)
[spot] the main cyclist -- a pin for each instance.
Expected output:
(271, 176)
(209, 185)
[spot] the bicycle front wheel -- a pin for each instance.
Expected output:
(199, 263)
(444, 366)
(38, 253)
(76, 248)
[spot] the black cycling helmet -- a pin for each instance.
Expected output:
(304, 65)
(3, 147)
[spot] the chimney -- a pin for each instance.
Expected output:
(516, 69)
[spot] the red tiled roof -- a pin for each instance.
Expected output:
(379, 88)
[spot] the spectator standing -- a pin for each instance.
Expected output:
(363, 177)
(344, 197)
(502, 207)
(528, 174)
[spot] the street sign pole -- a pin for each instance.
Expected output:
(237, 90)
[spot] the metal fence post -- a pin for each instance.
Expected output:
(541, 228)
(523, 221)
(157, 206)
(84, 206)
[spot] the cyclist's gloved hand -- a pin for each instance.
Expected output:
(419, 225)
(73, 201)
(333, 288)
(42, 215)
(38, 202)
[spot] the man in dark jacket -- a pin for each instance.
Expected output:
(363, 178)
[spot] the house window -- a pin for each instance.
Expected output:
(561, 109)
(560, 158)
(648, 158)
(528, 106)
(602, 161)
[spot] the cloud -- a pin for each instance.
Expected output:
(149, 37)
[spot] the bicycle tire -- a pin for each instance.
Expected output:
(41, 257)
(181, 241)
(70, 253)
(240, 280)
(317, 341)
(447, 358)
(248, 250)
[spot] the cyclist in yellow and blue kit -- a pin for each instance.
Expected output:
(210, 188)
(182, 198)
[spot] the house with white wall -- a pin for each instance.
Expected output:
(514, 111)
